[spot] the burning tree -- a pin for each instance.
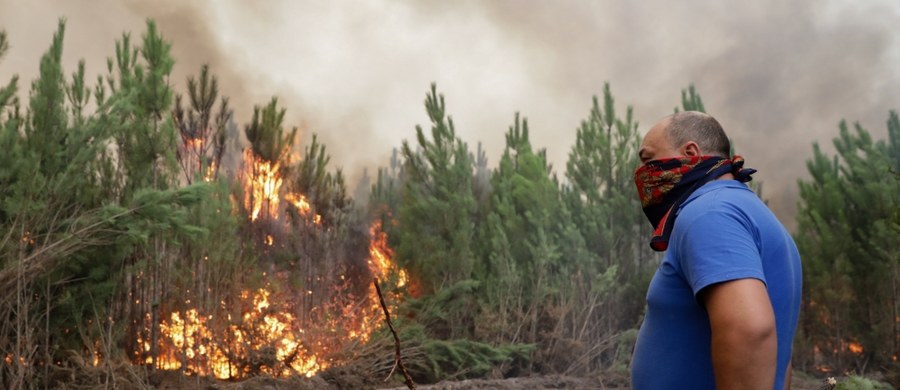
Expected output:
(202, 130)
(266, 161)
(305, 298)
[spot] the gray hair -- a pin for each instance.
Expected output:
(701, 128)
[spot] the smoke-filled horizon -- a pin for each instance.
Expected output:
(778, 75)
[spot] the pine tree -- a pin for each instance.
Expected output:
(266, 134)
(325, 191)
(850, 249)
(528, 258)
(66, 232)
(139, 104)
(482, 183)
(520, 205)
(600, 193)
(7, 93)
(438, 204)
(691, 100)
(201, 128)
(266, 163)
(135, 106)
(600, 170)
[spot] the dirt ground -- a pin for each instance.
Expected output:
(617, 382)
(347, 380)
(539, 383)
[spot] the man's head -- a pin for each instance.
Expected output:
(688, 133)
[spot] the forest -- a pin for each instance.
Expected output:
(145, 229)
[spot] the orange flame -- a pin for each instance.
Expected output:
(382, 267)
(265, 337)
(259, 332)
(262, 183)
(195, 159)
(210, 173)
(300, 202)
(856, 348)
(9, 359)
(381, 255)
(194, 143)
(303, 206)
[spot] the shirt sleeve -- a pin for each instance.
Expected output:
(717, 246)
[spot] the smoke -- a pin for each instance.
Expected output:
(778, 75)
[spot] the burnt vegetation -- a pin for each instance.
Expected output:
(141, 232)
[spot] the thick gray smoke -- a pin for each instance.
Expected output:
(779, 75)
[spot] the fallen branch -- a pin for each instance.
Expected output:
(398, 359)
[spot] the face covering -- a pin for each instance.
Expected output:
(664, 184)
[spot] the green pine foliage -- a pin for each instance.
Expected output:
(8, 92)
(456, 357)
(536, 279)
(201, 127)
(525, 232)
(66, 226)
(325, 190)
(850, 250)
(605, 208)
(138, 106)
(438, 205)
(465, 358)
(861, 383)
(266, 133)
(691, 100)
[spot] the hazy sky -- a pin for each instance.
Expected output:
(777, 74)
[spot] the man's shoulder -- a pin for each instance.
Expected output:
(728, 197)
(720, 191)
(725, 207)
(728, 209)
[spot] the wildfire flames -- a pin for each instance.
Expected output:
(262, 190)
(380, 255)
(262, 186)
(258, 331)
(382, 267)
(852, 346)
(263, 340)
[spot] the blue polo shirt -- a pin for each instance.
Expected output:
(723, 232)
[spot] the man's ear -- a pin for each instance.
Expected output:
(691, 149)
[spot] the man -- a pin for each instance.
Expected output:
(722, 307)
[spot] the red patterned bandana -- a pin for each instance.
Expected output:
(663, 184)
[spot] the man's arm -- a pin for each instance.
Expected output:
(744, 341)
